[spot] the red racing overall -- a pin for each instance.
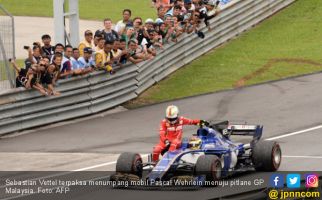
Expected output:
(172, 133)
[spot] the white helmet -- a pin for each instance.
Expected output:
(172, 113)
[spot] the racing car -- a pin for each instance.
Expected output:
(209, 153)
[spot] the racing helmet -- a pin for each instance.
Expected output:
(194, 143)
(172, 114)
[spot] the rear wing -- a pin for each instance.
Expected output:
(226, 127)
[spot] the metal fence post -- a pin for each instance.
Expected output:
(7, 49)
(74, 22)
(59, 26)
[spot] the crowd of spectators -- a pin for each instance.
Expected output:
(129, 40)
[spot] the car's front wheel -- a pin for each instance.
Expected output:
(210, 166)
(129, 163)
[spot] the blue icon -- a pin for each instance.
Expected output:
(293, 180)
(276, 180)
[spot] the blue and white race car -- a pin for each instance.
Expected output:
(210, 153)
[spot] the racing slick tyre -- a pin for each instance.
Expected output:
(210, 166)
(267, 156)
(129, 163)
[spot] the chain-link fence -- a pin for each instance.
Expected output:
(7, 49)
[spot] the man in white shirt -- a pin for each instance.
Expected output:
(120, 25)
(86, 62)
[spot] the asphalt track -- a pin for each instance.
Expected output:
(283, 107)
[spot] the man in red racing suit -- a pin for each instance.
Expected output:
(171, 132)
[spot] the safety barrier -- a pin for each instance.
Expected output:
(80, 96)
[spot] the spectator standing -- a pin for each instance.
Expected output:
(137, 53)
(59, 48)
(116, 53)
(125, 54)
(103, 58)
(98, 34)
(139, 30)
(87, 42)
(57, 62)
(161, 12)
(163, 3)
(47, 49)
(129, 34)
(109, 34)
(66, 66)
(86, 62)
(74, 58)
(100, 44)
(120, 25)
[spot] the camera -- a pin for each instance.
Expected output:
(26, 47)
(10, 59)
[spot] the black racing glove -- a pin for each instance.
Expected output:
(204, 123)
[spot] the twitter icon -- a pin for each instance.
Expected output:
(293, 180)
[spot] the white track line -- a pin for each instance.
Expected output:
(94, 166)
(309, 157)
(295, 133)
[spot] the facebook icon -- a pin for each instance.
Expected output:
(277, 180)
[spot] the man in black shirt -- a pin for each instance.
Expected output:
(109, 34)
(47, 49)
(21, 78)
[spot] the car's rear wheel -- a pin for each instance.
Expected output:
(129, 163)
(267, 156)
(210, 166)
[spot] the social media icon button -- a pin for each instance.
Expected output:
(311, 181)
(276, 180)
(293, 180)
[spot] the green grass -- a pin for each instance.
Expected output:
(88, 9)
(293, 33)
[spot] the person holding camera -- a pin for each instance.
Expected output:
(21, 78)
(34, 53)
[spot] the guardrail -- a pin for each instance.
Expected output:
(22, 109)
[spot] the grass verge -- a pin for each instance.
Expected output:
(88, 9)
